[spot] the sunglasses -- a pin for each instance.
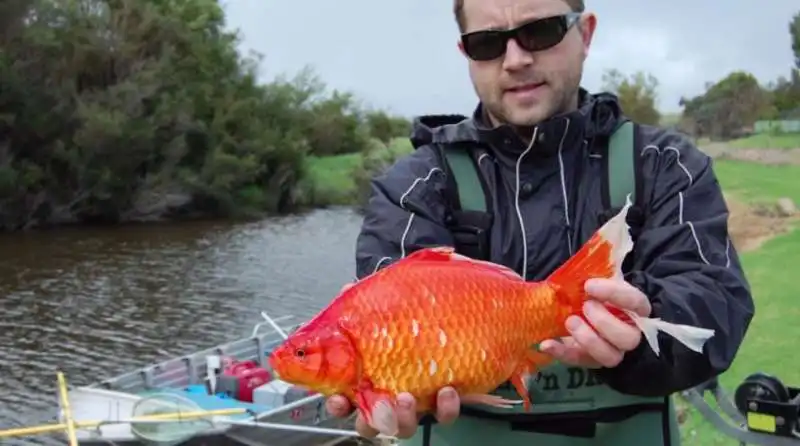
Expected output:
(536, 35)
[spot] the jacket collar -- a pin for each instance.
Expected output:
(598, 115)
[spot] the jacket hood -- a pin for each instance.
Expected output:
(597, 116)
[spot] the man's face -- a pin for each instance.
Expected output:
(522, 87)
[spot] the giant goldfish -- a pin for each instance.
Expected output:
(436, 318)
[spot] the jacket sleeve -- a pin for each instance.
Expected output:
(405, 212)
(684, 261)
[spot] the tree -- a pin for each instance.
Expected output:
(637, 95)
(727, 107)
(786, 96)
(384, 127)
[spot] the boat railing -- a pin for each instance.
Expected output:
(273, 323)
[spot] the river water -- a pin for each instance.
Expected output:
(98, 302)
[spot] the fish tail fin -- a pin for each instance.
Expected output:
(600, 257)
(694, 338)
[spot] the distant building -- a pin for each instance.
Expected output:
(777, 126)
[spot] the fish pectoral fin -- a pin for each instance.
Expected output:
(489, 400)
(377, 406)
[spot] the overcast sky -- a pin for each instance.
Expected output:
(401, 55)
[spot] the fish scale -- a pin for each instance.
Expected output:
(437, 318)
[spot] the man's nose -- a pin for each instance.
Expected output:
(516, 57)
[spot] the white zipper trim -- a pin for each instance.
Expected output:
(517, 208)
(410, 221)
(564, 186)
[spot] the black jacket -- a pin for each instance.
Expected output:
(683, 258)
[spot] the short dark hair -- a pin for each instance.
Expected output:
(458, 10)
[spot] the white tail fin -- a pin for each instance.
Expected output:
(617, 232)
(693, 338)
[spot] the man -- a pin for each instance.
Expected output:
(539, 143)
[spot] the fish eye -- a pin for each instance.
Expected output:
(300, 353)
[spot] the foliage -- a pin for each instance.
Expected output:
(786, 97)
(346, 179)
(637, 95)
(726, 107)
(373, 163)
(386, 128)
(118, 110)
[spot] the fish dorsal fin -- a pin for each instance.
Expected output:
(435, 254)
(448, 254)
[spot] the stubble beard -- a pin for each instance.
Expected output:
(559, 102)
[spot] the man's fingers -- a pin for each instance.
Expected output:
(619, 334)
(582, 357)
(448, 405)
(620, 294)
(338, 406)
(599, 349)
(568, 352)
(406, 415)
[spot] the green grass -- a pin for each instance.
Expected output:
(768, 141)
(773, 334)
(756, 182)
(331, 177)
(332, 180)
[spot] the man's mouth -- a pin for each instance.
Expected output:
(524, 88)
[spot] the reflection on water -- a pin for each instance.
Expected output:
(98, 302)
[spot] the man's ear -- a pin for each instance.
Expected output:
(587, 26)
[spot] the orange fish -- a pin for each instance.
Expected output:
(436, 318)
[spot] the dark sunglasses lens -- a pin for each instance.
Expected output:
(484, 45)
(542, 34)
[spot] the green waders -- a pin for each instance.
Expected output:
(571, 407)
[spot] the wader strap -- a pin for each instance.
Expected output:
(427, 422)
(465, 174)
(621, 171)
(469, 220)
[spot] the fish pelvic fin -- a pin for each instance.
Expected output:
(378, 407)
(531, 363)
(600, 257)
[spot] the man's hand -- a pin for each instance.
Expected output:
(447, 410)
(611, 338)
